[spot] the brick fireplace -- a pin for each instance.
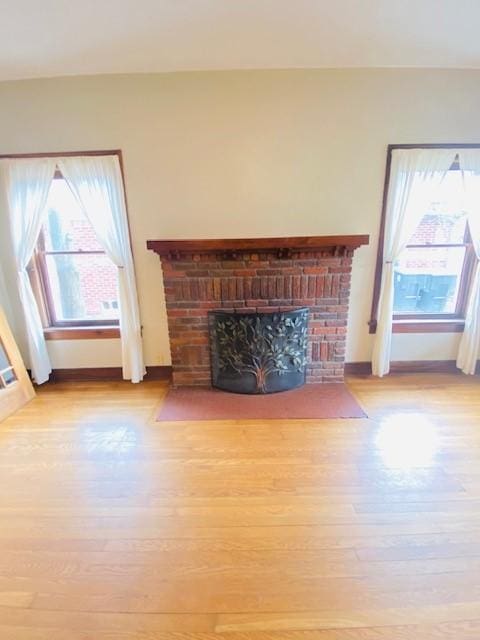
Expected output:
(257, 274)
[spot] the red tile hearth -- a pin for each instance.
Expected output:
(257, 274)
(307, 403)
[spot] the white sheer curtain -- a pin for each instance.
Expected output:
(469, 349)
(96, 182)
(414, 175)
(27, 183)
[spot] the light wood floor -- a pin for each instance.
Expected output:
(116, 527)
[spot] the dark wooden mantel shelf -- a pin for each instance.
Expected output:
(282, 246)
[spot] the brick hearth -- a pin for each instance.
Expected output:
(281, 275)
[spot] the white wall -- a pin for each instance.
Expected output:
(264, 153)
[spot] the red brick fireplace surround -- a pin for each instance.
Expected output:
(257, 274)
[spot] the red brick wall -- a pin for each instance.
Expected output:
(195, 284)
(439, 229)
(97, 275)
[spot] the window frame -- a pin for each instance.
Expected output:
(426, 322)
(78, 330)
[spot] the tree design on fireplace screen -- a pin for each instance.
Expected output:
(258, 352)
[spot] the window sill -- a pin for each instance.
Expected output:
(81, 333)
(428, 326)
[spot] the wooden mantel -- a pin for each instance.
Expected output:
(283, 246)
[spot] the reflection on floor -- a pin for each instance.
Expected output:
(118, 527)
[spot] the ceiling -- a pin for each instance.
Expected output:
(57, 37)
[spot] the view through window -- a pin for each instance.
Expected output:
(7, 373)
(431, 272)
(79, 281)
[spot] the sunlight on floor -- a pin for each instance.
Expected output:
(407, 440)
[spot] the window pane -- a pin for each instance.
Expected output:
(4, 361)
(7, 374)
(66, 228)
(445, 219)
(427, 280)
(83, 287)
(8, 377)
(441, 228)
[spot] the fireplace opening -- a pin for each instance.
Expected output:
(258, 353)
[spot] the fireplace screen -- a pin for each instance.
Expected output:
(258, 352)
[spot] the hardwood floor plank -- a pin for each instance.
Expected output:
(106, 622)
(349, 618)
(459, 631)
(16, 598)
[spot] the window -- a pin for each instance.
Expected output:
(77, 281)
(7, 372)
(429, 274)
(431, 277)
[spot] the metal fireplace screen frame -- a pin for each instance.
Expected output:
(258, 353)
